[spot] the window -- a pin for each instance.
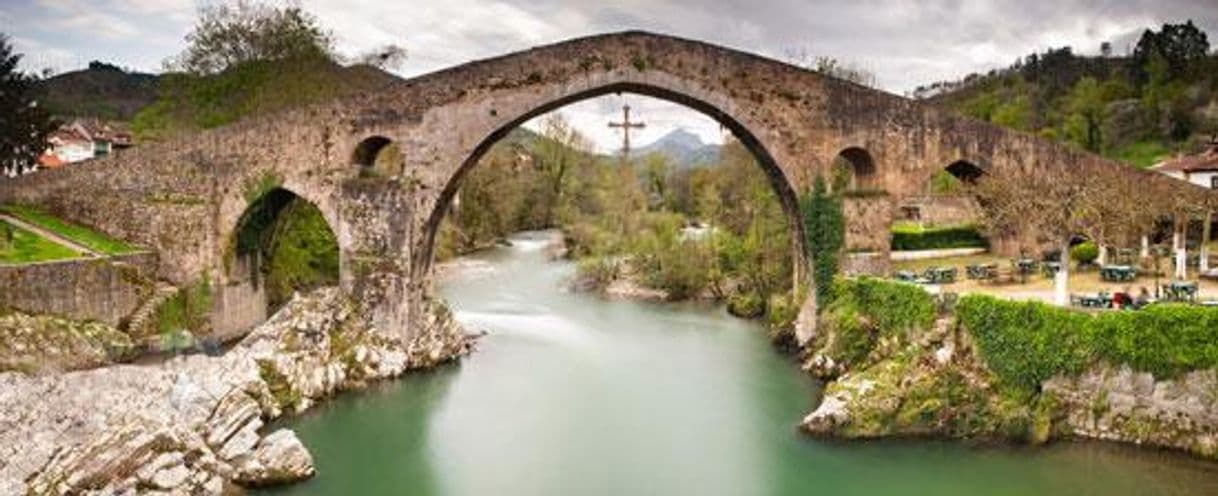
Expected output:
(1214, 181)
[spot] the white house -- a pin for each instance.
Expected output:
(82, 140)
(1200, 169)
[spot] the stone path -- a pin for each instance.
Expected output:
(55, 238)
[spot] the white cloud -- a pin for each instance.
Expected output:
(904, 42)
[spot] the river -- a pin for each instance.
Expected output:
(572, 394)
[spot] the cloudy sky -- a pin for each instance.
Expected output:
(904, 42)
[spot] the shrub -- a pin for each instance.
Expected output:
(865, 309)
(911, 238)
(1024, 343)
(746, 305)
(895, 307)
(187, 310)
(1085, 253)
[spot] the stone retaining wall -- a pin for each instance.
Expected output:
(105, 290)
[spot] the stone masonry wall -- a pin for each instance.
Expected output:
(105, 290)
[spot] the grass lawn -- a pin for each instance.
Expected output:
(29, 247)
(82, 235)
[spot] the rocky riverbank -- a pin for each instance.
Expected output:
(934, 381)
(194, 424)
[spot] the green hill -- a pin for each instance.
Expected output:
(103, 91)
(1158, 100)
(188, 103)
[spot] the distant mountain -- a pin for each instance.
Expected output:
(103, 91)
(682, 148)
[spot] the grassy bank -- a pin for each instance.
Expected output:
(27, 247)
(78, 234)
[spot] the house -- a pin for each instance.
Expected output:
(83, 139)
(1200, 169)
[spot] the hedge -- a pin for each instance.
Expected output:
(1025, 343)
(913, 238)
(865, 309)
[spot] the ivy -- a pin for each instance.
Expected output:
(1025, 343)
(824, 235)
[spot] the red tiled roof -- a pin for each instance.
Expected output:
(1202, 162)
(50, 161)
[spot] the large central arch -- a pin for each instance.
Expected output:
(782, 186)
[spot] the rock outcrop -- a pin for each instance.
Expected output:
(48, 344)
(193, 424)
(935, 384)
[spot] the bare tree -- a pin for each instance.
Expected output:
(1058, 202)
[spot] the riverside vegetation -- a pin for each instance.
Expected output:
(903, 362)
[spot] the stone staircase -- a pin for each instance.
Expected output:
(139, 326)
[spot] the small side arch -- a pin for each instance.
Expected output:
(967, 172)
(854, 169)
(377, 156)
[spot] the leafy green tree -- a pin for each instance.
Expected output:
(229, 35)
(1086, 104)
(25, 125)
(1183, 47)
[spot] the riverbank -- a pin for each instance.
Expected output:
(1056, 379)
(194, 424)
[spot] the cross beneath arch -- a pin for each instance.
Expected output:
(626, 125)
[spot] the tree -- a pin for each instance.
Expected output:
(1058, 202)
(24, 126)
(557, 152)
(1183, 47)
(228, 35)
(1085, 102)
(389, 57)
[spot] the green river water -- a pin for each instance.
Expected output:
(572, 394)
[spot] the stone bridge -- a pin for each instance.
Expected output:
(185, 197)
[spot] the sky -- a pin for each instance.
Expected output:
(905, 43)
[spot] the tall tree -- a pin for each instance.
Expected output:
(228, 35)
(24, 126)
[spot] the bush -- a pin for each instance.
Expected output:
(895, 307)
(746, 305)
(188, 310)
(1085, 253)
(1024, 343)
(911, 238)
(865, 309)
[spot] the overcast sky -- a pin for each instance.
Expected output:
(904, 43)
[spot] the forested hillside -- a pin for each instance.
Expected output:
(1160, 99)
(102, 91)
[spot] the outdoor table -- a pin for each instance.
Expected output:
(940, 275)
(985, 271)
(907, 276)
(1118, 273)
(1101, 300)
(1180, 291)
(1049, 269)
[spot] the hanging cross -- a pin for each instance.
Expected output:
(626, 126)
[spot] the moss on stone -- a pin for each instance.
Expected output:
(285, 396)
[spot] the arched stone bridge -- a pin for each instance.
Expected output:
(184, 197)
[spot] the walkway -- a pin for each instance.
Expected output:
(83, 250)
